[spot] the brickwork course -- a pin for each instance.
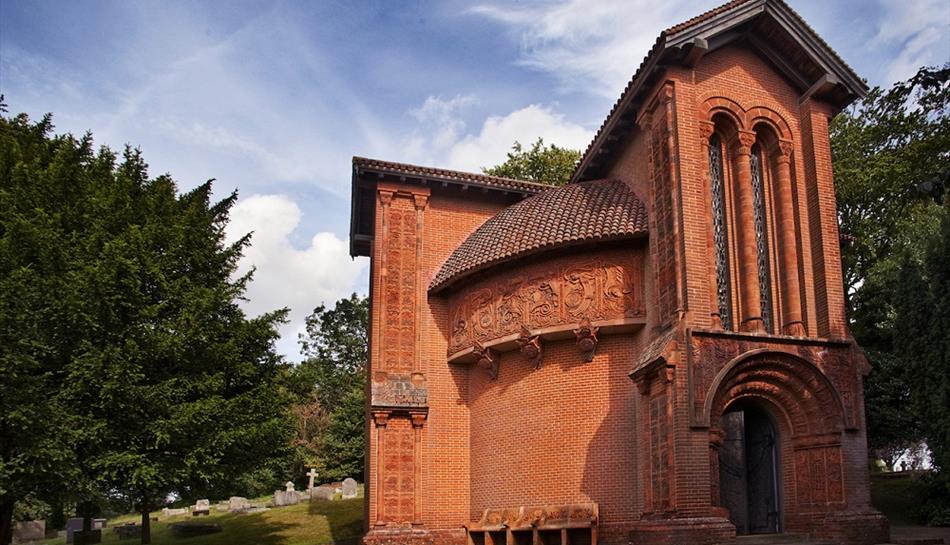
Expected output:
(541, 349)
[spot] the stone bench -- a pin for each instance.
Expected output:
(572, 524)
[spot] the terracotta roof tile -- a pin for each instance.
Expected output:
(363, 163)
(583, 212)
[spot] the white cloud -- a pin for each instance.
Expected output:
(286, 276)
(440, 138)
(588, 45)
(919, 30)
(490, 146)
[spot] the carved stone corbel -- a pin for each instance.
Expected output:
(587, 339)
(530, 346)
(487, 359)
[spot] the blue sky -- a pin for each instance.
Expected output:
(274, 98)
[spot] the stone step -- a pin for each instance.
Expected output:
(778, 539)
(769, 539)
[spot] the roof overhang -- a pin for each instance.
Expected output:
(367, 173)
(770, 26)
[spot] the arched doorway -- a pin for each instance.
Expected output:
(749, 469)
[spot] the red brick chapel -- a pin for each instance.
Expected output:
(656, 352)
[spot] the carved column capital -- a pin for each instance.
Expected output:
(381, 418)
(783, 151)
(418, 419)
(386, 196)
(420, 200)
(706, 130)
(743, 142)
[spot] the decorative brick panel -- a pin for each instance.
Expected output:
(399, 285)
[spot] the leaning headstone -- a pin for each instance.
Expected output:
(349, 488)
(190, 529)
(129, 530)
(30, 530)
(201, 507)
(237, 503)
(322, 493)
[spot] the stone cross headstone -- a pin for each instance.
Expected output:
(349, 488)
(313, 475)
(289, 486)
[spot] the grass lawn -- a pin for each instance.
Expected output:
(308, 523)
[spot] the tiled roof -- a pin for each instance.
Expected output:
(430, 173)
(599, 210)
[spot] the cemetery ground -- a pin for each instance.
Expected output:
(337, 522)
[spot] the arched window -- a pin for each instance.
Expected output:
(761, 235)
(720, 235)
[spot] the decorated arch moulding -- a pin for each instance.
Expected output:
(744, 118)
(802, 375)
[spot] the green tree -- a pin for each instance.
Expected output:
(541, 164)
(922, 302)
(891, 154)
(330, 384)
(36, 301)
(131, 326)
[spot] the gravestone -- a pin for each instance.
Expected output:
(99, 524)
(166, 512)
(201, 507)
(313, 475)
(30, 530)
(129, 530)
(285, 497)
(237, 503)
(349, 488)
(73, 525)
(322, 493)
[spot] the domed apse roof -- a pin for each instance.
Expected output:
(598, 210)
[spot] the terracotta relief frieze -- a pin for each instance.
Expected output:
(556, 292)
(399, 391)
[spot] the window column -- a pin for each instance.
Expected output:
(748, 265)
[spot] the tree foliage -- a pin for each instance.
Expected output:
(129, 368)
(891, 158)
(542, 164)
(330, 385)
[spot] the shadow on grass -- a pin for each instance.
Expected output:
(344, 518)
(250, 529)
